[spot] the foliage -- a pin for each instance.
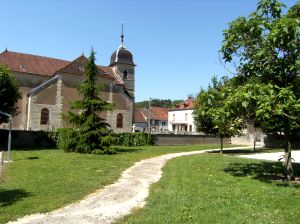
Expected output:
(92, 129)
(211, 116)
(67, 139)
(9, 93)
(158, 103)
(265, 46)
(135, 139)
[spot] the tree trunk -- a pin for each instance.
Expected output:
(1, 163)
(254, 140)
(288, 167)
(221, 151)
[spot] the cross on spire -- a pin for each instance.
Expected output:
(122, 35)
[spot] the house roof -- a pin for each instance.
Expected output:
(156, 113)
(187, 104)
(159, 113)
(34, 64)
(139, 115)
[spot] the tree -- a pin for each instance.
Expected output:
(9, 93)
(242, 101)
(92, 129)
(266, 48)
(158, 103)
(211, 117)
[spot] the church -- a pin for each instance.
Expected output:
(49, 85)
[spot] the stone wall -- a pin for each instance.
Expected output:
(276, 141)
(188, 140)
(21, 138)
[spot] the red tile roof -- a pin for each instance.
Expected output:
(187, 104)
(139, 115)
(156, 113)
(109, 71)
(27, 63)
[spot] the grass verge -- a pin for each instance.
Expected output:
(211, 188)
(43, 180)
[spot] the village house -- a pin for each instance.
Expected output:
(158, 119)
(180, 118)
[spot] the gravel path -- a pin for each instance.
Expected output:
(273, 156)
(113, 201)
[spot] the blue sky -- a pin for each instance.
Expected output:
(175, 43)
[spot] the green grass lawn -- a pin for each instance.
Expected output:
(43, 180)
(211, 188)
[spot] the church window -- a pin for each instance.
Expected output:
(45, 116)
(125, 75)
(120, 121)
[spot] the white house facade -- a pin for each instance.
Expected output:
(181, 119)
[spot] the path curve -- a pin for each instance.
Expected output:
(113, 201)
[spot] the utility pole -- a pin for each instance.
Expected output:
(9, 134)
(149, 116)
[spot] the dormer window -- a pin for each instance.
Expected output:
(81, 68)
(125, 75)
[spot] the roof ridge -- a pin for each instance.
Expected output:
(34, 55)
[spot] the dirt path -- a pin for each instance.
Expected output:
(113, 201)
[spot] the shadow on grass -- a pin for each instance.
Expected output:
(9, 197)
(235, 151)
(268, 172)
(32, 157)
(123, 150)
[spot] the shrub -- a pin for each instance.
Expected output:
(67, 139)
(71, 140)
(134, 139)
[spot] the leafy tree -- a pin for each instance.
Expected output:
(265, 46)
(158, 103)
(92, 129)
(9, 93)
(211, 117)
(242, 101)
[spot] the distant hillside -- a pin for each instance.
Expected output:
(158, 103)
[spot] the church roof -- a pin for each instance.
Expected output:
(34, 64)
(121, 55)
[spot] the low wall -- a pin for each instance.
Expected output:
(276, 141)
(167, 139)
(22, 138)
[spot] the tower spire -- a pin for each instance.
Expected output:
(122, 36)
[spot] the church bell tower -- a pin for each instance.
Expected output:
(122, 63)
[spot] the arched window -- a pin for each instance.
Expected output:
(45, 116)
(120, 121)
(125, 75)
